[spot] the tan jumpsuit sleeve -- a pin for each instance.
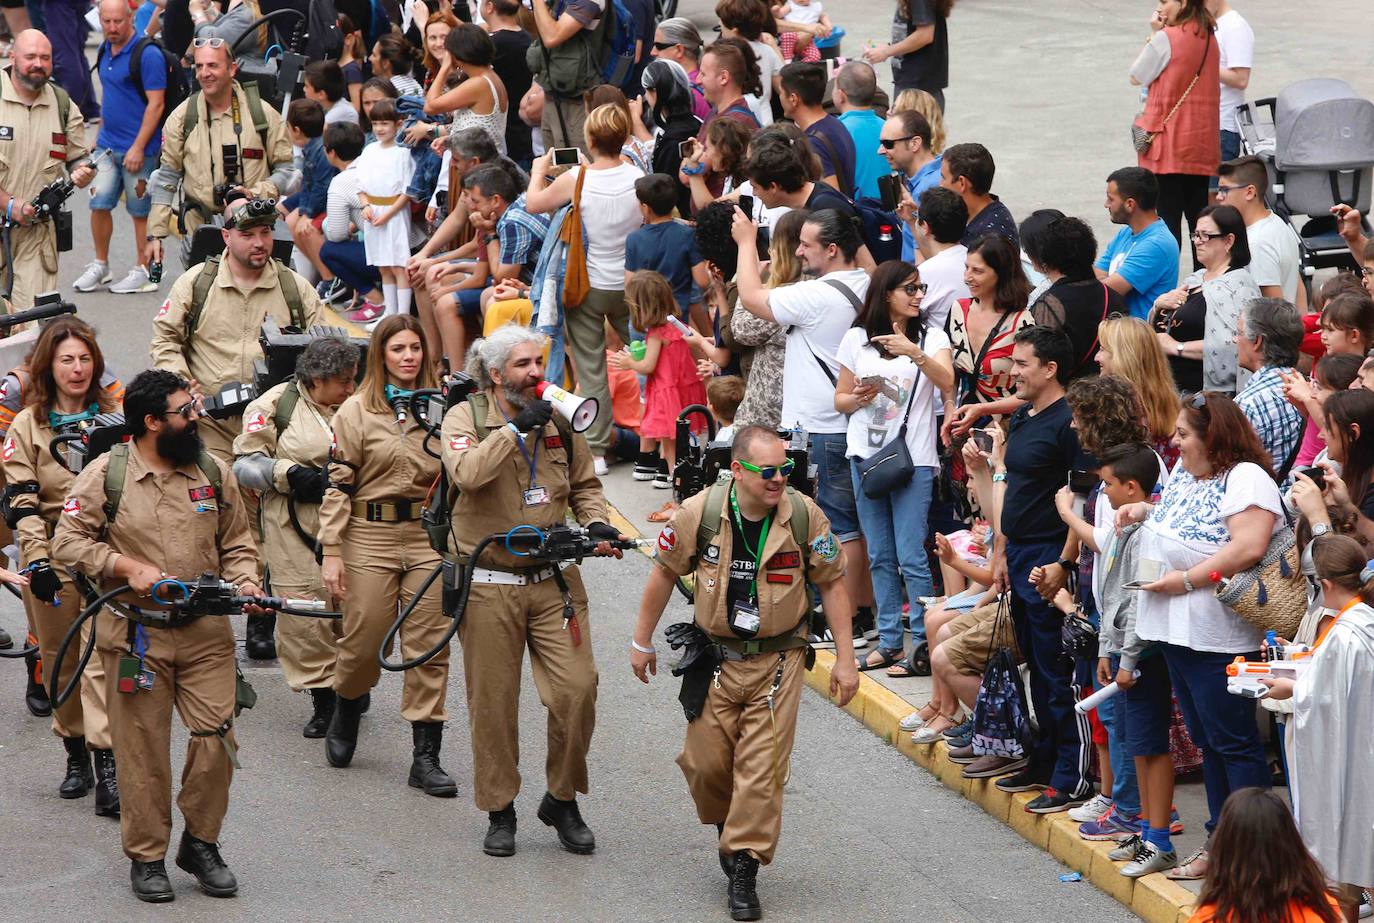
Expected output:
(675, 548)
(472, 465)
(825, 560)
(77, 148)
(20, 454)
(348, 447)
(77, 542)
(169, 327)
(259, 437)
(585, 495)
(278, 152)
(161, 219)
(238, 556)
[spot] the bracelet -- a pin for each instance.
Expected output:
(1188, 584)
(643, 650)
(1214, 576)
(998, 477)
(700, 169)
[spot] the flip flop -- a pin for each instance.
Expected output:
(663, 513)
(887, 659)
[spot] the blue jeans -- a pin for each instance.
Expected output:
(1112, 713)
(897, 553)
(1062, 752)
(111, 179)
(66, 28)
(1230, 150)
(1222, 725)
(834, 484)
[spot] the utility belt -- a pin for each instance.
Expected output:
(388, 510)
(157, 618)
(501, 577)
(738, 649)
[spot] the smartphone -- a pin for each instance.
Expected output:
(746, 205)
(890, 191)
(872, 381)
(685, 149)
(983, 440)
(1082, 482)
(1318, 475)
(681, 327)
(566, 157)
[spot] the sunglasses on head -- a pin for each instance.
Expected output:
(209, 43)
(1198, 401)
(772, 471)
(888, 144)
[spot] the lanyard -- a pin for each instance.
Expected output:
(531, 460)
(238, 133)
(755, 553)
(1327, 630)
(58, 420)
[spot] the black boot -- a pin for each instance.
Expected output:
(727, 862)
(343, 732)
(202, 860)
(365, 703)
(259, 644)
(500, 839)
(106, 785)
(566, 820)
(80, 779)
(318, 724)
(743, 893)
(425, 771)
(35, 695)
(150, 881)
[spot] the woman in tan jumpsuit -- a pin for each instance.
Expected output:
(376, 553)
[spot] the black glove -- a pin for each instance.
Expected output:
(44, 583)
(603, 532)
(536, 413)
(307, 483)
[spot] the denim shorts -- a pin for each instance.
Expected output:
(835, 484)
(1149, 708)
(111, 179)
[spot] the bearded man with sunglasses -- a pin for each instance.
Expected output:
(752, 544)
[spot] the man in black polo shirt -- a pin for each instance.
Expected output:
(1076, 302)
(1042, 448)
(968, 169)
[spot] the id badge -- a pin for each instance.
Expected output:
(144, 680)
(128, 674)
(536, 496)
(744, 620)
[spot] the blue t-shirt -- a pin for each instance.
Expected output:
(1148, 261)
(316, 173)
(670, 249)
(928, 177)
(864, 127)
(832, 144)
(121, 106)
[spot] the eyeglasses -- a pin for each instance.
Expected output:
(912, 288)
(186, 411)
(1203, 236)
(208, 43)
(888, 144)
(664, 46)
(1223, 191)
(772, 471)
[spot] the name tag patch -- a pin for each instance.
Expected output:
(783, 560)
(553, 442)
(59, 138)
(6, 132)
(252, 153)
(206, 492)
(779, 578)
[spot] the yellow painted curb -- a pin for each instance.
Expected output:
(341, 321)
(1153, 898)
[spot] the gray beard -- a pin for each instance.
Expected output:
(516, 398)
(29, 83)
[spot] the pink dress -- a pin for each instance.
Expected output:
(672, 386)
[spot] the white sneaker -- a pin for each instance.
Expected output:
(912, 722)
(1150, 860)
(600, 467)
(1092, 810)
(95, 274)
(135, 282)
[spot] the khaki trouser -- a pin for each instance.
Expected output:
(306, 647)
(35, 264)
(385, 563)
(84, 713)
(193, 667)
(587, 343)
(574, 118)
(499, 623)
(219, 436)
(729, 757)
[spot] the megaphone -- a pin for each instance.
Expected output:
(579, 411)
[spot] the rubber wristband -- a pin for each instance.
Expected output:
(701, 168)
(643, 650)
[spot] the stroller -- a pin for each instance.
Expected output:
(1317, 139)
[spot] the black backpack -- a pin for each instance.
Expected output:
(178, 87)
(323, 40)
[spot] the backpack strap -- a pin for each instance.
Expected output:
(286, 406)
(136, 65)
(801, 526)
(64, 105)
(210, 468)
(291, 291)
(192, 118)
(250, 91)
(115, 471)
(200, 290)
(714, 511)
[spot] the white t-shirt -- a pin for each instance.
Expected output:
(610, 212)
(875, 425)
(943, 275)
(341, 111)
(1236, 40)
(1187, 527)
(770, 62)
(1274, 255)
(818, 318)
(810, 14)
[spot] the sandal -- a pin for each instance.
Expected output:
(917, 664)
(664, 513)
(886, 659)
(1193, 869)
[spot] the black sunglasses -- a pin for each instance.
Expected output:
(1198, 401)
(888, 144)
(664, 46)
(911, 288)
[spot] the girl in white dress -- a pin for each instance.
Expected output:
(385, 169)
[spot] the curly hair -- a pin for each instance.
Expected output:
(1107, 412)
(714, 240)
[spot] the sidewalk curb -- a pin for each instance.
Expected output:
(1154, 898)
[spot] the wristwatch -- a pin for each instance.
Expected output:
(1320, 528)
(1178, 349)
(1067, 564)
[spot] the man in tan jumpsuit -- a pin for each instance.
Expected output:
(194, 161)
(35, 149)
(518, 467)
(288, 465)
(171, 513)
(247, 289)
(751, 600)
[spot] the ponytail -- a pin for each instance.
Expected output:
(1341, 560)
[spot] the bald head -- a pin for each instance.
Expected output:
(116, 23)
(32, 60)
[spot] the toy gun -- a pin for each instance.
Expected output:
(1243, 676)
(209, 595)
(559, 543)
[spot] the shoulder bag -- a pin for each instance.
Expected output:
(891, 467)
(1142, 139)
(575, 281)
(1271, 595)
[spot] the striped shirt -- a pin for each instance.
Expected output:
(343, 205)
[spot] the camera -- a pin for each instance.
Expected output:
(281, 347)
(88, 440)
(230, 157)
(890, 191)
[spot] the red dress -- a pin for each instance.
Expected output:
(672, 386)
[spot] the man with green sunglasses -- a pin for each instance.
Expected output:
(752, 555)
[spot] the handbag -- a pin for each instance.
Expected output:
(575, 281)
(1142, 139)
(1271, 595)
(891, 468)
(1001, 717)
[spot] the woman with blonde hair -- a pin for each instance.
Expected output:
(922, 102)
(1128, 348)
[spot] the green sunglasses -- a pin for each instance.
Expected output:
(772, 471)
